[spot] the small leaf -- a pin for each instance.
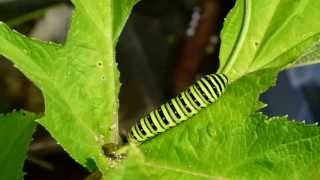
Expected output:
(120, 14)
(16, 131)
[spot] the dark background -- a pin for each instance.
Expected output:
(165, 46)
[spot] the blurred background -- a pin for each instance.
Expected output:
(165, 46)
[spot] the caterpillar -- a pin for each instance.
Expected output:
(180, 108)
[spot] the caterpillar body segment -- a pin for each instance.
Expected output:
(180, 108)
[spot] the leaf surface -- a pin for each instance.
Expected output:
(309, 57)
(229, 140)
(79, 80)
(16, 131)
(266, 34)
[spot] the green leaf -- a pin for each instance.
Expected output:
(79, 80)
(120, 14)
(265, 149)
(229, 140)
(262, 34)
(16, 131)
(310, 56)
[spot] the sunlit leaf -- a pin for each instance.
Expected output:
(79, 80)
(229, 140)
(262, 34)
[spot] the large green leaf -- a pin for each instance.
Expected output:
(16, 131)
(229, 140)
(79, 80)
(259, 34)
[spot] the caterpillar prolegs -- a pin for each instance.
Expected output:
(180, 108)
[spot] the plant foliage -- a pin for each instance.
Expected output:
(264, 34)
(79, 80)
(15, 134)
(229, 139)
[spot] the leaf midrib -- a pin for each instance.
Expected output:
(102, 32)
(241, 38)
